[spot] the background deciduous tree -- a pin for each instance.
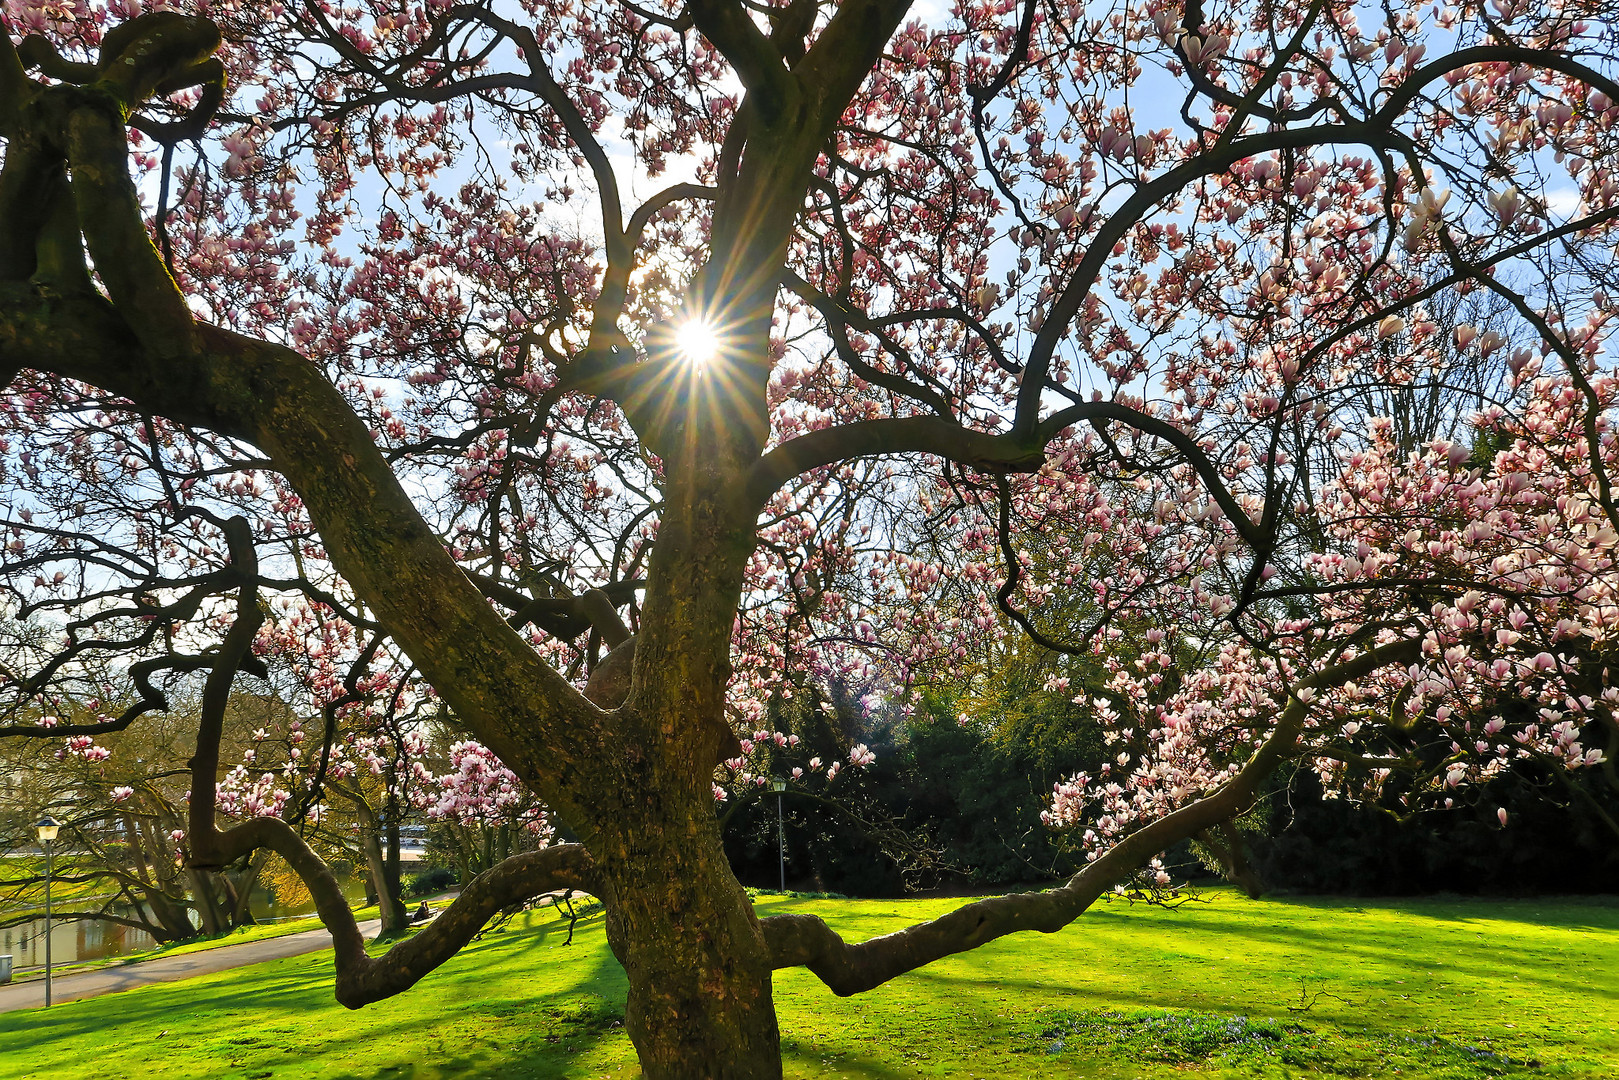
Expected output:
(586, 374)
(122, 805)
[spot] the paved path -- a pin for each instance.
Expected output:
(111, 980)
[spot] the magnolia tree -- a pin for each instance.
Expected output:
(590, 368)
(482, 811)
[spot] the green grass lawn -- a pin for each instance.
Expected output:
(1447, 989)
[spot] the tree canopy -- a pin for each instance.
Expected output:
(589, 377)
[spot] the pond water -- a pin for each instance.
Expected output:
(92, 939)
(265, 908)
(70, 941)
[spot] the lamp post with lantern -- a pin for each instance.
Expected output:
(778, 785)
(47, 827)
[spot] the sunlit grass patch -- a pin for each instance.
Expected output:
(1233, 989)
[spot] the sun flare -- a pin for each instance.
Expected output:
(698, 343)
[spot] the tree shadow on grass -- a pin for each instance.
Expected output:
(279, 1019)
(1592, 912)
(1414, 955)
(547, 1034)
(841, 1064)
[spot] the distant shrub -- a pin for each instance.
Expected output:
(430, 881)
(1315, 844)
(754, 894)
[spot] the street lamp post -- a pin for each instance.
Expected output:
(47, 832)
(778, 785)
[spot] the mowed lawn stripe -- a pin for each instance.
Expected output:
(1444, 989)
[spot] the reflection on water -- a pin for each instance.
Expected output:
(70, 941)
(94, 939)
(267, 908)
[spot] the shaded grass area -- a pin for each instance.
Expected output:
(1442, 989)
(1265, 1046)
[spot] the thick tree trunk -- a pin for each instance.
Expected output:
(699, 1001)
(1228, 849)
(173, 918)
(206, 900)
(382, 874)
(242, 903)
(391, 897)
(389, 904)
(1243, 874)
